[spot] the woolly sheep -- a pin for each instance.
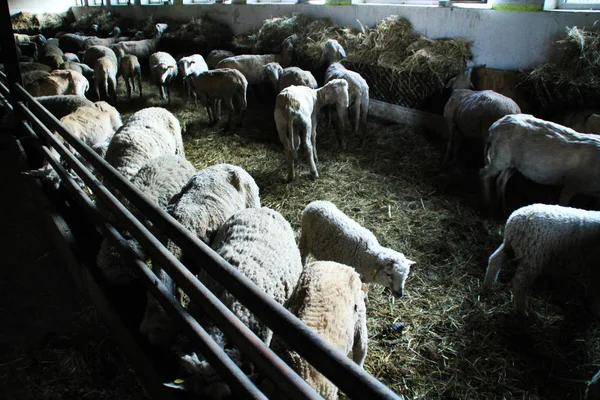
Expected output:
(210, 197)
(160, 179)
(105, 76)
(71, 57)
(193, 64)
(95, 52)
(221, 85)
(541, 236)
(130, 69)
(51, 55)
(584, 121)
(109, 41)
(253, 66)
(142, 49)
(59, 82)
(329, 300)
(23, 38)
(33, 66)
(290, 76)
(149, 133)
(61, 105)
(163, 69)
(72, 42)
(30, 77)
(215, 56)
(296, 112)
(532, 146)
(470, 114)
(329, 234)
(332, 52)
(83, 69)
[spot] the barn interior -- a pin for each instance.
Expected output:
(69, 334)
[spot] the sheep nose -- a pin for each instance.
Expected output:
(398, 294)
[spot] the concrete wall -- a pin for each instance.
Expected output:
(39, 6)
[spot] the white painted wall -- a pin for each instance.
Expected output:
(40, 6)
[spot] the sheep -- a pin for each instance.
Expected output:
(296, 112)
(358, 89)
(193, 64)
(71, 57)
(149, 133)
(470, 114)
(329, 299)
(62, 105)
(215, 56)
(221, 85)
(252, 66)
(209, 199)
(130, 69)
(291, 76)
(72, 42)
(139, 35)
(163, 69)
(541, 236)
(33, 66)
(159, 179)
(59, 82)
(532, 146)
(79, 67)
(105, 76)
(51, 55)
(109, 41)
(29, 77)
(143, 49)
(260, 244)
(329, 234)
(584, 121)
(95, 52)
(23, 38)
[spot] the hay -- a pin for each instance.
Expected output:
(202, 31)
(106, 21)
(47, 23)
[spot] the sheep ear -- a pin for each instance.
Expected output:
(178, 384)
(192, 62)
(410, 262)
(342, 52)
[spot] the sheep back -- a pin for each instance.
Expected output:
(61, 105)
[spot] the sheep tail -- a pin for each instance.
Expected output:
(497, 260)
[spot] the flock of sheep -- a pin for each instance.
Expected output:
(221, 204)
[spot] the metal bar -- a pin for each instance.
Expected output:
(4, 90)
(264, 358)
(9, 47)
(338, 368)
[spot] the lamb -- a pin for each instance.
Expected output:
(296, 111)
(23, 38)
(358, 89)
(163, 69)
(105, 76)
(62, 105)
(542, 237)
(149, 133)
(160, 179)
(215, 56)
(531, 146)
(59, 82)
(95, 52)
(209, 199)
(291, 76)
(470, 114)
(253, 66)
(221, 85)
(79, 67)
(33, 66)
(142, 49)
(193, 64)
(328, 299)
(329, 234)
(130, 69)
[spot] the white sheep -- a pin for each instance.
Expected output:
(130, 69)
(470, 114)
(62, 105)
(543, 237)
(329, 299)
(149, 133)
(105, 77)
(160, 179)
(59, 82)
(532, 146)
(95, 52)
(253, 66)
(109, 41)
(225, 85)
(142, 49)
(71, 57)
(83, 69)
(296, 112)
(193, 64)
(23, 38)
(291, 76)
(72, 42)
(215, 56)
(210, 197)
(329, 234)
(50, 55)
(163, 69)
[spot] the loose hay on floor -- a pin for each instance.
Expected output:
(458, 342)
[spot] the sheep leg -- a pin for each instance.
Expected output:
(128, 85)
(313, 137)
(524, 278)
(356, 116)
(497, 260)
(359, 346)
(289, 158)
(112, 87)
(139, 76)
(501, 186)
(229, 105)
(488, 175)
(169, 93)
(308, 145)
(161, 90)
(303, 246)
(342, 115)
(364, 111)
(566, 194)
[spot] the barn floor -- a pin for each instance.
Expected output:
(458, 341)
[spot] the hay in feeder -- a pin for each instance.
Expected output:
(105, 20)
(203, 31)
(45, 23)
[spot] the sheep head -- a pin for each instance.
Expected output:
(332, 52)
(393, 269)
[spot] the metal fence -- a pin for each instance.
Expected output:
(39, 129)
